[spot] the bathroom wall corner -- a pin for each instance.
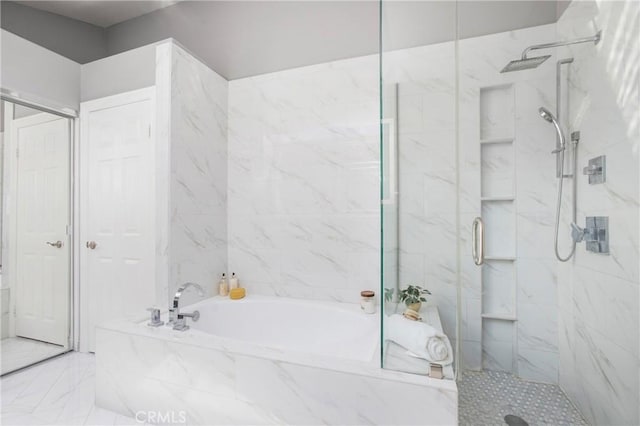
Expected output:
(163, 144)
(197, 158)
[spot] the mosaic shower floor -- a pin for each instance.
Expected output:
(486, 397)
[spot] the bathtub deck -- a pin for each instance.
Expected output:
(396, 357)
(217, 380)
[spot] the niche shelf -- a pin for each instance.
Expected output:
(499, 317)
(498, 203)
(496, 141)
(505, 198)
(502, 258)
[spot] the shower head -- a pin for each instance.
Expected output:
(525, 64)
(546, 114)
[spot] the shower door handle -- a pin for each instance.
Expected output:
(477, 241)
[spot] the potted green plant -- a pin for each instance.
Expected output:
(413, 296)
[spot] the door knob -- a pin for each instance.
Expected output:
(91, 245)
(57, 244)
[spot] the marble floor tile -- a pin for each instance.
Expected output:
(486, 397)
(18, 352)
(60, 391)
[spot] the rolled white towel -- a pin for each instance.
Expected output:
(419, 338)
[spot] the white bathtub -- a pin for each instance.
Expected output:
(337, 330)
(264, 360)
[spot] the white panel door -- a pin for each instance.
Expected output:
(42, 219)
(117, 208)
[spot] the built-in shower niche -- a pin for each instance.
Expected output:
(498, 342)
(498, 200)
(500, 224)
(498, 292)
(497, 113)
(497, 170)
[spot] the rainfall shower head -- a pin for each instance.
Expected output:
(525, 64)
(544, 113)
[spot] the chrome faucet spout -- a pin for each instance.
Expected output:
(177, 318)
(182, 288)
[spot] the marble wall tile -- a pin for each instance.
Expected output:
(538, 327)
(471, 354)
(537, 280)
(608, 305)
(198, 173)
(162, 162)
(543, 368)
(599, 342)
(137, 372)
(298, 394)
(303, 179)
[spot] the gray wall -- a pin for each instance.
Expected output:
(239, 39)
(119, 73)
(419, 23)
(244, 38)
(38, 74)
(73, 39)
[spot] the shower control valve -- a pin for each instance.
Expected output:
(595, 234)
(596, 170)
(591, 169)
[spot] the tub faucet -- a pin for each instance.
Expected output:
(179, 319)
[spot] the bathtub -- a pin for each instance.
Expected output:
(263, 360)
(302, 327)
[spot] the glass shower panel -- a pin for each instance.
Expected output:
(419, 185)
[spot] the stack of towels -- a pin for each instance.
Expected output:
(420, 339)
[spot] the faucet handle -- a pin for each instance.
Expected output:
(577, 233)
(155, 317)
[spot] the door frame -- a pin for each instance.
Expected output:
(87, 107)
(9, 233)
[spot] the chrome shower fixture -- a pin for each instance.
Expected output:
(559, 151)
(546, 114)
(525, 63)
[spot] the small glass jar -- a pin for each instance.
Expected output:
(368, 301)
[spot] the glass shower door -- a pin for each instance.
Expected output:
(419, 189)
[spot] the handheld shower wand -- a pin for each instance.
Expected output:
(548, 116)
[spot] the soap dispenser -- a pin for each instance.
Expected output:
(233, 282)
(223, 286)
